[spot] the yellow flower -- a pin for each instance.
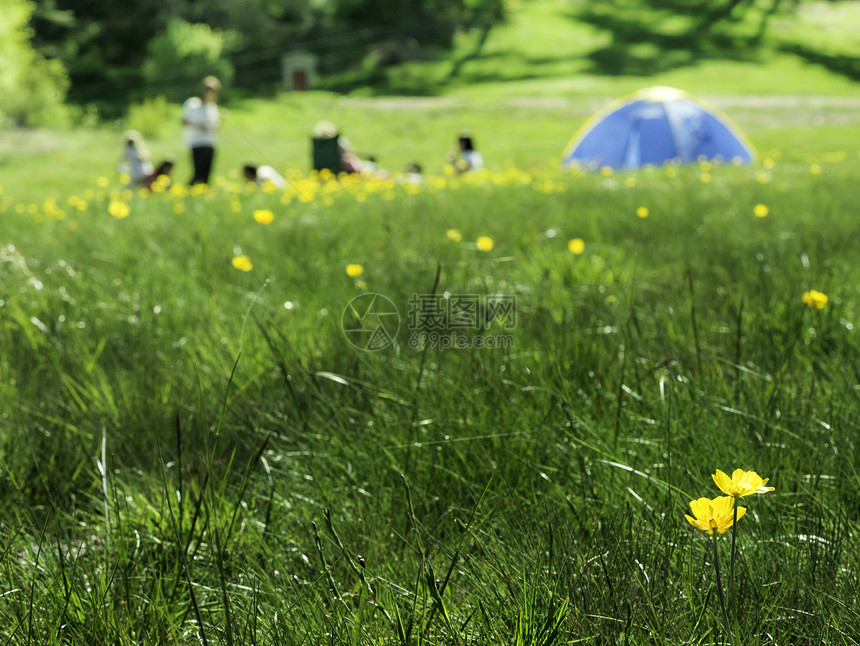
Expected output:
(242, 263)
(815, 169)
(264, 216)
(643, 212)
(815, 299)
(718, 514)
(761, 210)
(354, 270)
(742, 483)
(576, 246)
(454, 235)
(705, 177)
(484, 243)
(118, 209)
(103, 182)
(160, 184)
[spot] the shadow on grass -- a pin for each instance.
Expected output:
(643, 44)
(396, 80)
(848, 66)
(382, 82)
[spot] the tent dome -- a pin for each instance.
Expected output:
(654, 126)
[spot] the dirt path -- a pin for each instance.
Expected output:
(751, 111)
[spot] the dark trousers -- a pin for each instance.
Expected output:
(202, 157)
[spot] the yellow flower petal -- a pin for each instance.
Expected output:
(742, 483)
(118, 209)
(242, 263)
(723, 482)
(354, 270)
(815, 299)
(576, 246)
(484, 243)
(713, 514)
(264, 216)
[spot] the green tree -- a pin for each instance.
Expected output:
(178, 58)
(32, 88)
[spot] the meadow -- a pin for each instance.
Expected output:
(199, 443)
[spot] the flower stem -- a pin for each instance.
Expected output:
(720, 582)
(734, 596)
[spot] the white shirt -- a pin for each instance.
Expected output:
(138, 167)
(202, 121)
(269, 174)
(473, 160)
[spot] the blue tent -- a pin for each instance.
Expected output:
(655, 126)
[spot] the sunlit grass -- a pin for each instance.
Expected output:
(189, 436)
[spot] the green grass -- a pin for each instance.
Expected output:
(524, 96)
(176, 441)
(191, 453)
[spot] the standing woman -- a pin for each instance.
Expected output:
(201, 119)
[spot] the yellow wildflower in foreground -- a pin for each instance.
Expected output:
(454, 235)
(242, 263)
(354, 270)
(718, 514)
(576, 246)
(761, 210)
(742, 483)
(642, 212)
(264, 216)
(118, 209)
(815, 299)
(484, 243)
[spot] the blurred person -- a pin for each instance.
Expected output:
(412, 173)
(135, 158)
(465, 158)
(262, 174)
(201, 120)
(369, 166)
(332, 151)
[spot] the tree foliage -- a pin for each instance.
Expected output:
(114, 51)
(183, 54)
(31, 86)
